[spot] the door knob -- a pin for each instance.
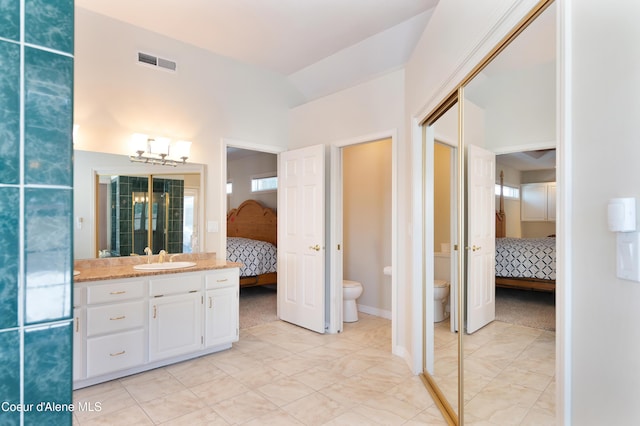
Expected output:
(473, 248)
(316, 247)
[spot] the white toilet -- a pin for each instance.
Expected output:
(440, 300)
(351, 290)
(442, 273)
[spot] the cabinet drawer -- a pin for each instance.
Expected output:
(178, 283)
(111, 318)
(114, 292)
(115, 352)
(222, 278)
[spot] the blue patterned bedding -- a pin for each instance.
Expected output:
(257, 257)
(526, 258)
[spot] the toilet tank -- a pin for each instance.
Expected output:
(442, 266)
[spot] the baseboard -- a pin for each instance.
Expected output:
(374, 311)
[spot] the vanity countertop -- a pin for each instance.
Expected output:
(122, 267)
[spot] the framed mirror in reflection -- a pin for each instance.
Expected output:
(135, 206)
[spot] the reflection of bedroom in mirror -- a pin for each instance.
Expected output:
(525, 253)
(252, 198)
(514, 97)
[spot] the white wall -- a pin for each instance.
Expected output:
(240, 172)
(367, 222)
(603, 160)
(374, 106)
(209, 98)
(442, 195)
(511, 122)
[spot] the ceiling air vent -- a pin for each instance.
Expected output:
(145, 58)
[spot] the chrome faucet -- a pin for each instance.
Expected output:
(148, 252)
(162, 255)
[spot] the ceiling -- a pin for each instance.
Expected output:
(284, 36)
(529, 160)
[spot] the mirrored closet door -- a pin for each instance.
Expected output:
(505, 105)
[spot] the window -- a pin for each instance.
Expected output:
(190, 214)
(264, 183)
(508, 191)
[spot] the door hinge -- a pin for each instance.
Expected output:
(202, 340)
(202, 300)
(338, 246)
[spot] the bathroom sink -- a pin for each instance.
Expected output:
(163, 266)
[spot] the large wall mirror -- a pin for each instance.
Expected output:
(507, 122)
(158, 211)
(121, 208)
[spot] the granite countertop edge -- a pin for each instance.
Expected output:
(122, 267)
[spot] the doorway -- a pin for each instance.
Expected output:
(384, 301)
(366, 213)
(252, 175)
(528, 217)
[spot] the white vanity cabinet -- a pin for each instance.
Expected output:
(538, 202)
(221, 304)
(115, 325)
(175, 315)
(130, 325)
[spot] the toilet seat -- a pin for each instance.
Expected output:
(348, 283)
(440, 283)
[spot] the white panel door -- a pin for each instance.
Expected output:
(481, 242)
(221, 324)
(301, 238)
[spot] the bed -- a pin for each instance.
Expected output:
(251, 240)
(523, 263)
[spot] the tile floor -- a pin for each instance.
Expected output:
(284, 375)
(276, 374)
(509, 374)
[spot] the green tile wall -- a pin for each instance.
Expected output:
(36, 258)
(122, 189)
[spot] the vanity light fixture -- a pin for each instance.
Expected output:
(158, 150)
